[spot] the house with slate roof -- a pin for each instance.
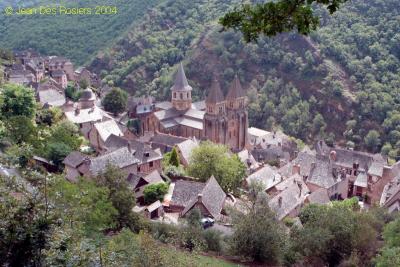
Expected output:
(288, 197)
(149, 159)
(101, 131)
(76, 165)
(208, 197)
(138, 182)
(121, 158)
(367, 173)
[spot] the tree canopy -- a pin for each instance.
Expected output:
(115, 101)
(272, 18)
(212, 159)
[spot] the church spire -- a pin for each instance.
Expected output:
(181, 83)
(215, 94)
(235, 89)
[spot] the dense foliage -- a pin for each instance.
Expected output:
(78, 37)
(115, 101)
(27, 130)
(272, 18)
(310, 87)
(210, 159)
(155, 192)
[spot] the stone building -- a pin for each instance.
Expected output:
(224, 120)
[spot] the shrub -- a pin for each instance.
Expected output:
(155, 192)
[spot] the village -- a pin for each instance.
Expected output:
(291, 177)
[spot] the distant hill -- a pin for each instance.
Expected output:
(339, 84)
(76, 37)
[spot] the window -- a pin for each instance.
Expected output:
(174, 95)
(151, 164)
(181, 95)
(187, 95)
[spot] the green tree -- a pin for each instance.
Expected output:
(155, 192)
(257, 234)
(21, 129)
(121, 197)
(57, 153)
(211, 159)
(372, 140)
(17, 100)
(25, 227)
(115, 101)
(319, 124)
(174, 158)
(272, 18)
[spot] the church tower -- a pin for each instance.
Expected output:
(237, 116)
(215, 117)
(181, 91)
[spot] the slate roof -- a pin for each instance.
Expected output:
(51, 97)
(57, 73)
(361, 180)
(181, 83)
(121, 158)
(143, 152)
(376, 169)
(322, 174)
(391, 192)
(199, 105)
(235, 89)
(186, 148)
(212, 197)
(171, 117)
(167, 139)
(152, 207)
(151, 178)
(304, 159)
(164, 105)
(74, 159)
(291, 197)
(320, 196)
(267, 176)
(114, 142)
(107, 128)
(215, 94)
(85, 115)
(185, 191)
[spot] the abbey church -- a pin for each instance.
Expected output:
(221, 119)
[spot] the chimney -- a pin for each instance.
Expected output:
(300, 185)
(200, 198)
(280, 202)
(332, 155)
(313, 164)
(296, 169)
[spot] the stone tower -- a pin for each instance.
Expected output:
(237, 116)
(215, 118)
(181, 91)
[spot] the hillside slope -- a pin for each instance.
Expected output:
(76, 37)
(340, 83)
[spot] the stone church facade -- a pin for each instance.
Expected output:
(220, 119)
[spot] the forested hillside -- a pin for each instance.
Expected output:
(343, 79)
(73, 36)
